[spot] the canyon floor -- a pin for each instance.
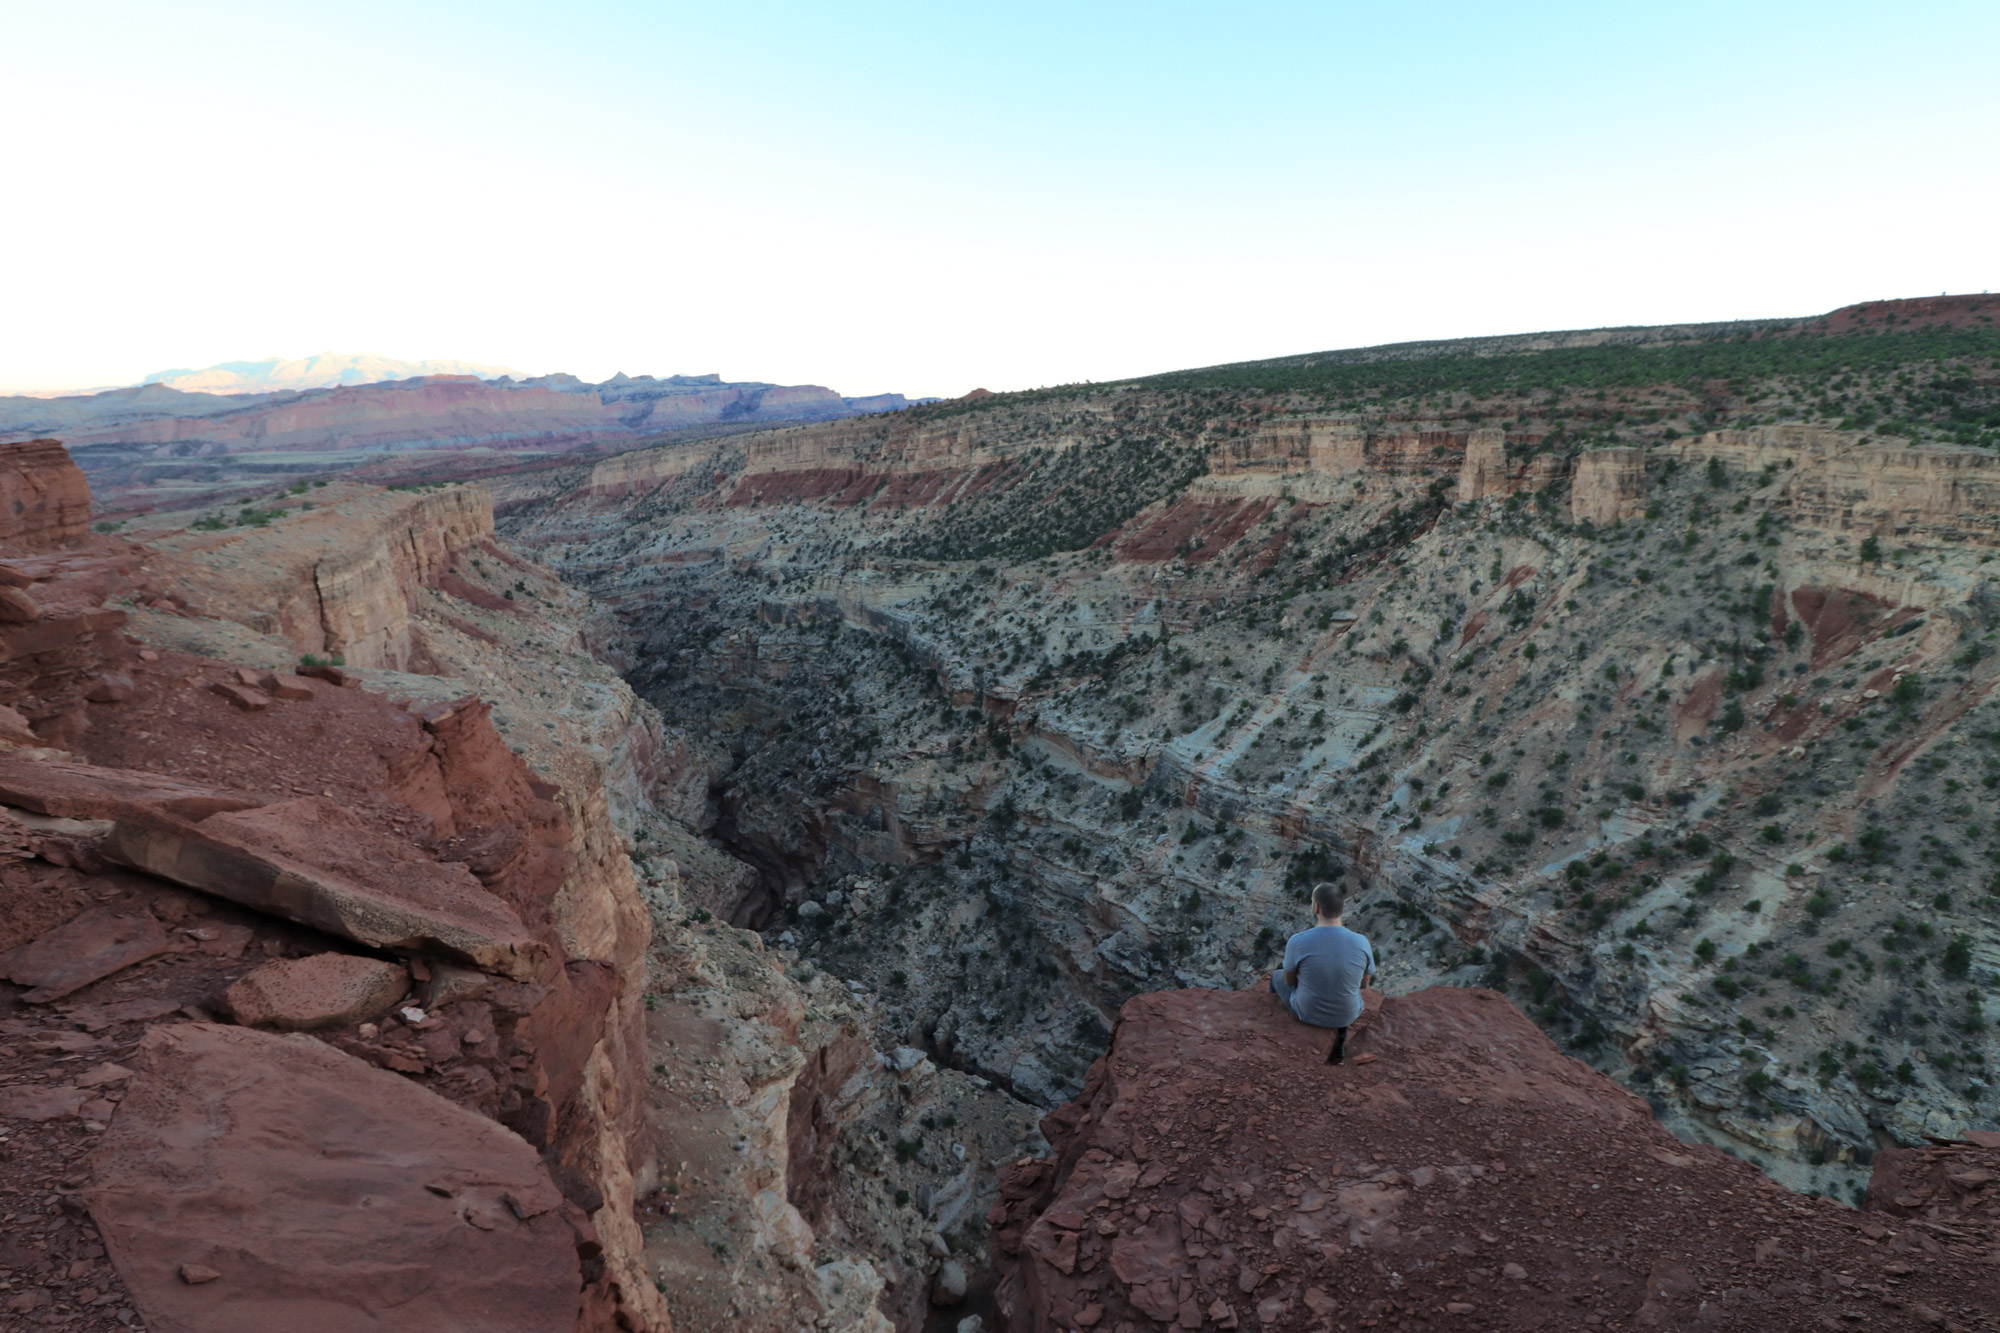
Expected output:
(834, 865)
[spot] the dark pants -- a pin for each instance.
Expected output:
(1284, 990)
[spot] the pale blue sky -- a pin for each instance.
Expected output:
(929, 198)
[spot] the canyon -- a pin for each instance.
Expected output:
(824, 875)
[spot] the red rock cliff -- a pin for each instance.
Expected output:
(44, 500)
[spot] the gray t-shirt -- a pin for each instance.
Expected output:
(1331, 961)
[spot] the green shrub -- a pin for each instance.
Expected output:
(1957, 960)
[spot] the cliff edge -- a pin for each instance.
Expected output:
(1458, 1171)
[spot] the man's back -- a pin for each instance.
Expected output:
(1331, 962)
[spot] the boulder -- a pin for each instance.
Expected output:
(321, 1193)
(284, 685)
(245, 697)
(325, 990)
(110, 687)
(17, 607)
(948, 1288)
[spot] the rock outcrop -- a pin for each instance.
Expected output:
(44, 499)
(1218, 1174)
(1609, 486)
(1839, 483)
(1489, 471)
(318, 825)
(336, 575)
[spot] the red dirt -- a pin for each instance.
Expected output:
(1693, 714)
(1216, 523)
(1841, 620)
(914, 488)
(1458, 1172)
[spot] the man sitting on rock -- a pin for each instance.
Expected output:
(1325, 969)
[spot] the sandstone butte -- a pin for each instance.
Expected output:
(411, 990)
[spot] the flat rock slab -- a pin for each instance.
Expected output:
(83, 949)
(313, 862)
(325, 990)
(85, 791)
(26, 1101)
(326, 1195)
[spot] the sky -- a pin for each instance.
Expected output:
(928, 198)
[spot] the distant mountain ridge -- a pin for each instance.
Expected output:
(323, 371)
(154, 445)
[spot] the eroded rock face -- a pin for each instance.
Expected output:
(322, 1193)
(44, 499)
(1609, 486)
(1217, 1173)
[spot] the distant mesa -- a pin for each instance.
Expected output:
(178, 439)
(324, 371)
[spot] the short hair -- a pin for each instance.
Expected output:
(1328, 899)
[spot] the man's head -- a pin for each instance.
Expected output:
(1328, 902)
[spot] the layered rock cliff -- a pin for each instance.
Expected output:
(46, 503)
(337, 574)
